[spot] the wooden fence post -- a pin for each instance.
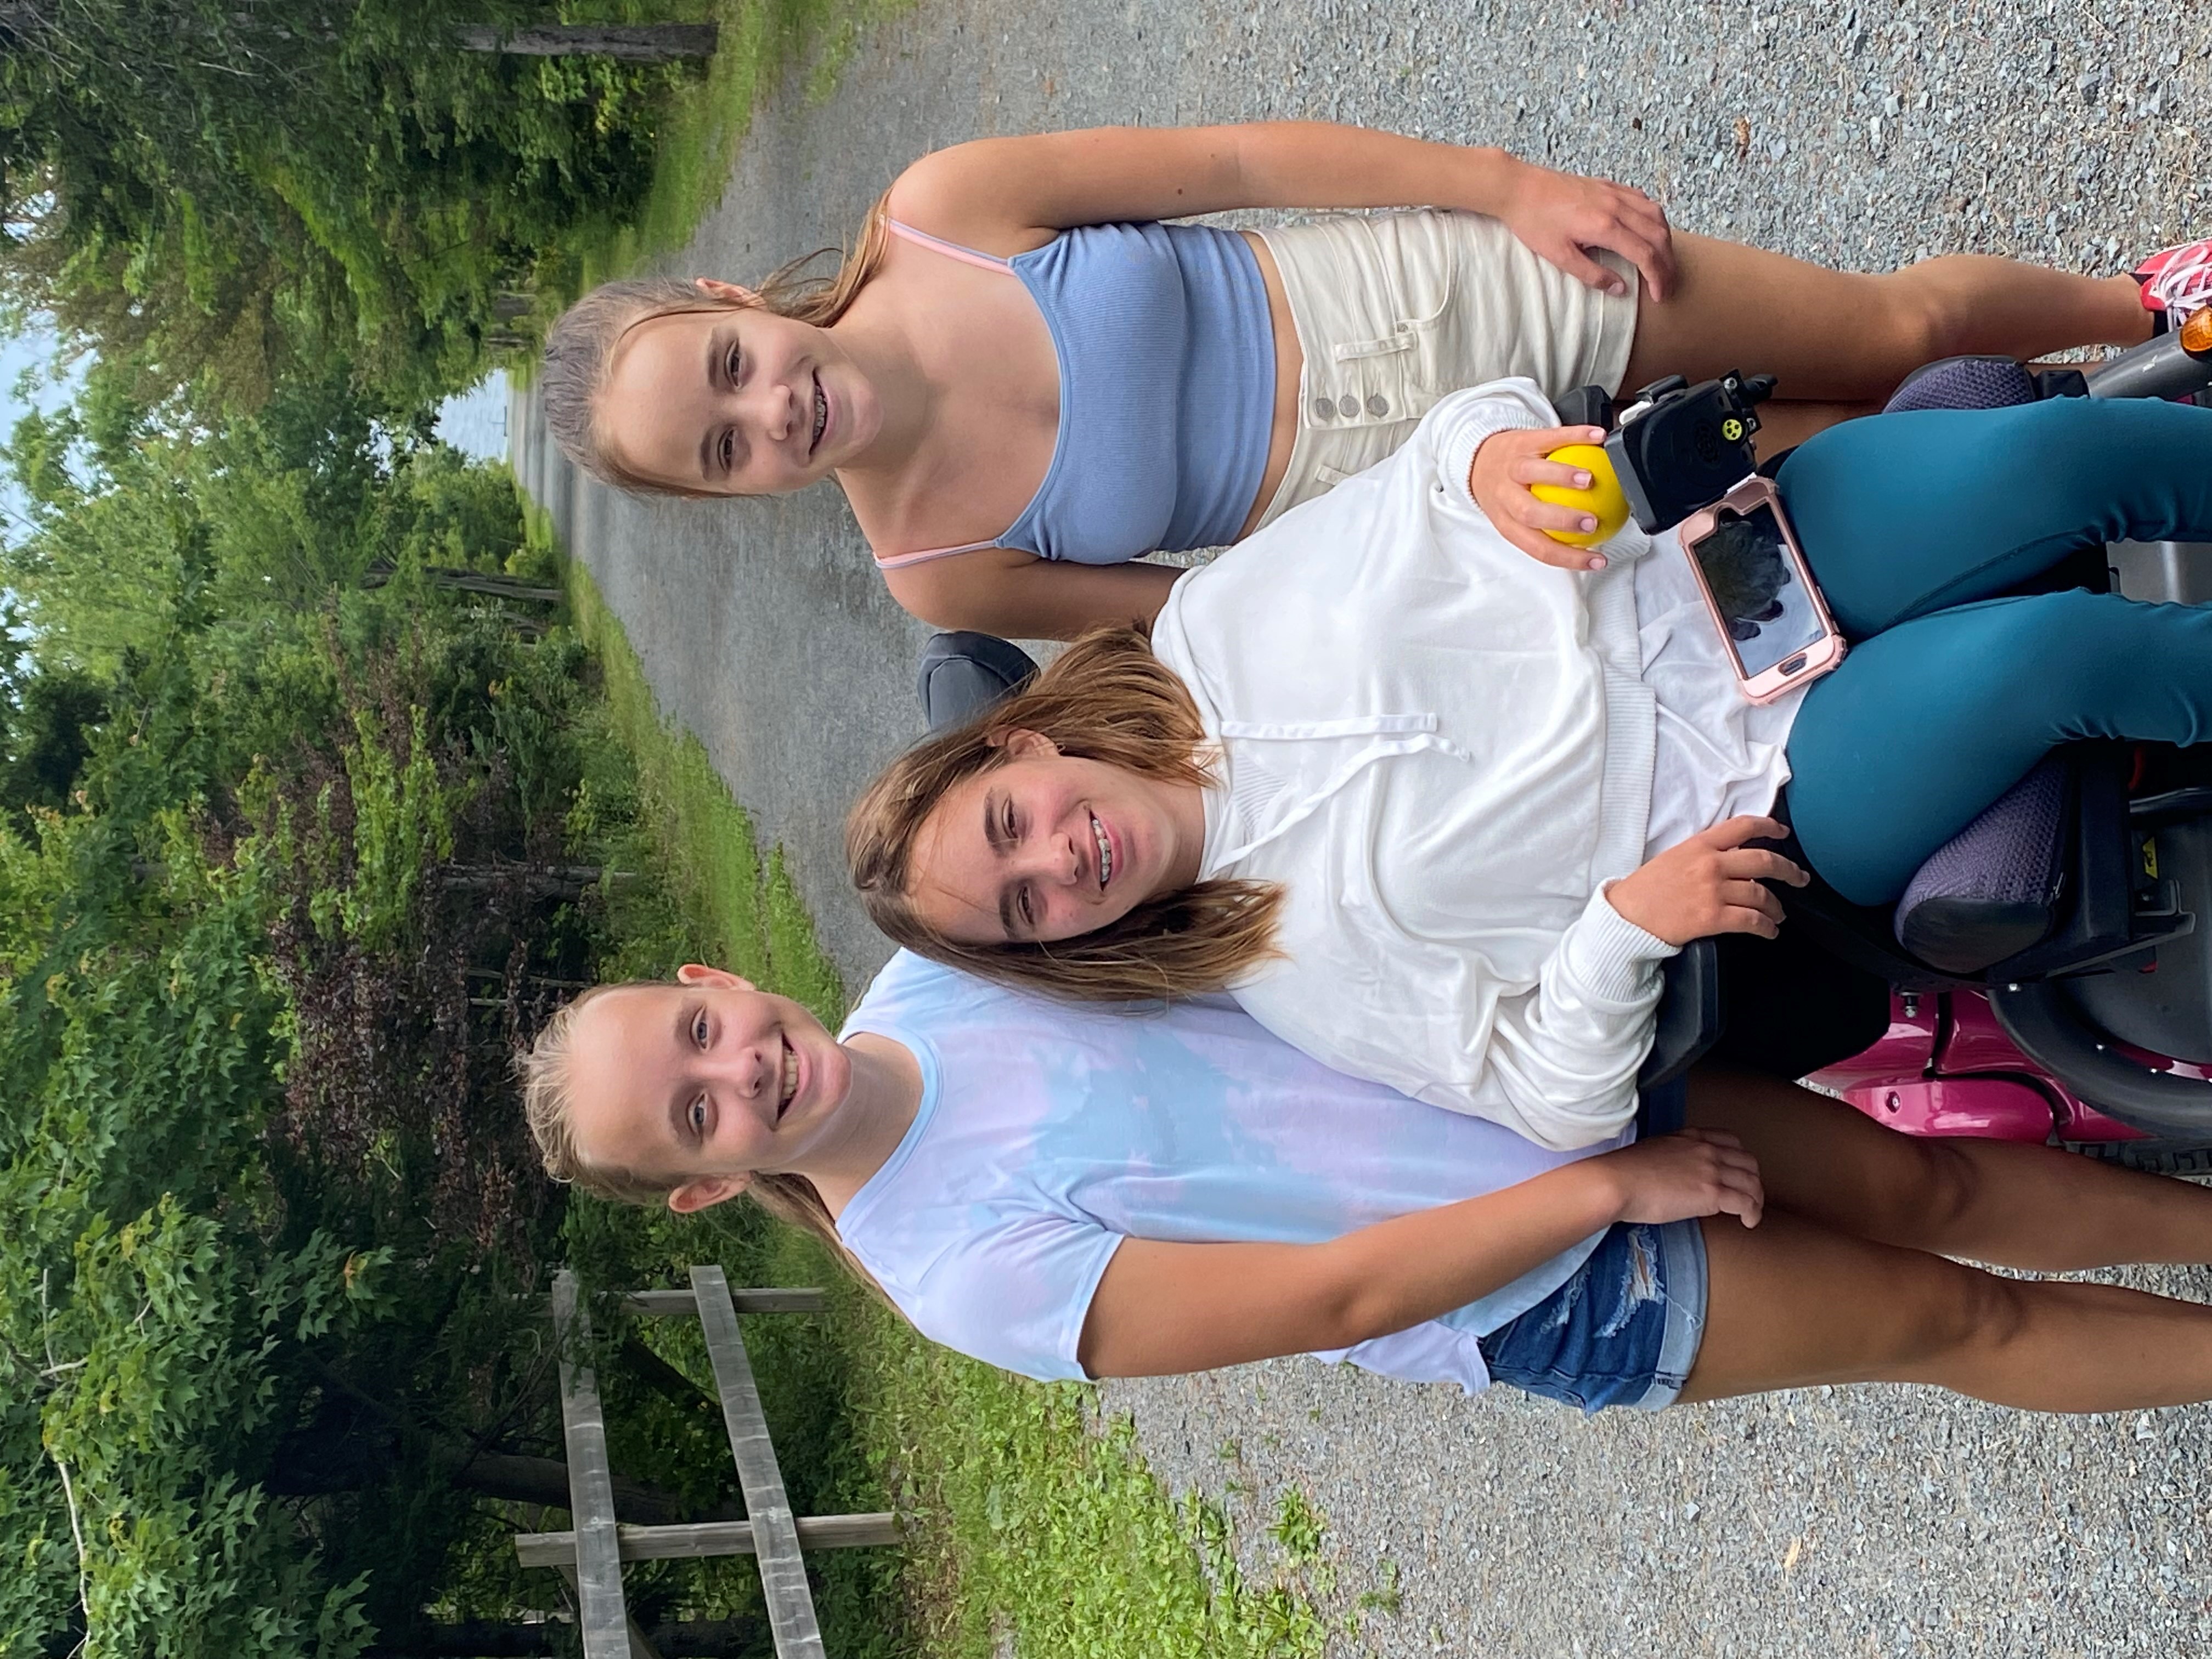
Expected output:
(636, 43)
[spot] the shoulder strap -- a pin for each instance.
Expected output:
(899, 561)
(967, 256)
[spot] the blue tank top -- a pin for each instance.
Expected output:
(1167, 389)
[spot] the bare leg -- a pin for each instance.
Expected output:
(2032, 1207)
(1844, 336)
(1786, 422)
(1792, 1303)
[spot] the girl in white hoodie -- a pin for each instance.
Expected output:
(1439, 815)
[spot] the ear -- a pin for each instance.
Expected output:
(1023, 744)
(715, 289)
(720, 979)
(707, 1192)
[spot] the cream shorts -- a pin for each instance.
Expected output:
(1395, 310)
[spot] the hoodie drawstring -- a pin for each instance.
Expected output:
(1412, 734)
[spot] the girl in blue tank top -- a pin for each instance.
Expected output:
(1023, 381)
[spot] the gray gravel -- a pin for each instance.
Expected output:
(1858, 1522)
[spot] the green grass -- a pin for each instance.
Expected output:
(738, 907)
(1027, 1515)
(1299, 1527)
(1036, 1522)
(701, 124)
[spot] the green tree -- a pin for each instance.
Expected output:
(224, 194)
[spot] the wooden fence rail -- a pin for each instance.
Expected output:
(597, 1573)
(636, 43)
(775, 1539)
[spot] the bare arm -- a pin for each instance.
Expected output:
(1162, 1308)
(1006, 592)
(1007, 195)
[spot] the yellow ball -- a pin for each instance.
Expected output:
(1602, 499)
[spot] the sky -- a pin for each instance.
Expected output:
(33, 349)
(473, 422)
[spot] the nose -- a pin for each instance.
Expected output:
(1058, 863)
(751, 1068)
(788, 408)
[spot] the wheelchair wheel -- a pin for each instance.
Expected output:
(2172, 1158)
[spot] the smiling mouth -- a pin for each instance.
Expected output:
(1105, 852)
(790, 1086)
(821, 416)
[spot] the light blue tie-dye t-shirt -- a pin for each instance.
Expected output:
(1047, 1134)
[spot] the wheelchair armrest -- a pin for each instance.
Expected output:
(1691, 1014)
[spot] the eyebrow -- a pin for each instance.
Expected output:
(991, 840)
(707, 439)
(681, 1098)
(990, 822)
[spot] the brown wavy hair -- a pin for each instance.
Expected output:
(546, 1071)
(1106, 698)
(581, 350)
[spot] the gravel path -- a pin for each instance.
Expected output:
(1856, 1521)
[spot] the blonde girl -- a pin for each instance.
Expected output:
(1023, 379)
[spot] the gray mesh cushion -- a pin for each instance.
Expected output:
(1990, 891)
(1965, 382)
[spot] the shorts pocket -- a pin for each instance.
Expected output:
(1428, 264)
(1366, 313)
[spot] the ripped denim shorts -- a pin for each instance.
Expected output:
(1623, 1331)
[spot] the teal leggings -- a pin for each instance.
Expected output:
(1916, 526)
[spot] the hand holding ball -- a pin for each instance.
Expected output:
(1603, 500)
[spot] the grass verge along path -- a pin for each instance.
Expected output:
(701, 122)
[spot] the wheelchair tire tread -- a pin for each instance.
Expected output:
(2172, 1157)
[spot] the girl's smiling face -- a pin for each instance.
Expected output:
(1050, 846)
(733, 400)
(705, 1081)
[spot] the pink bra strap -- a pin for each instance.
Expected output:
(967, 256)
(900, 561)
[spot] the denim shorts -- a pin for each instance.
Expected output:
(1624, 1330)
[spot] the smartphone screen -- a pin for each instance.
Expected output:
(1765, 609)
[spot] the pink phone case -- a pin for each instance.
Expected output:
(1816, 658)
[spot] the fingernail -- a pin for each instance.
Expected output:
(1587, 525)
(1581, 482)
(1598, 563)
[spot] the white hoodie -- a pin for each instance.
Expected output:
(1444, 749)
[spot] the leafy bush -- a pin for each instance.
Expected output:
(329, 841)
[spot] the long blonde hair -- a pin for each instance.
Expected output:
(581, 350)
(547, 1071)
(1106, 698)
